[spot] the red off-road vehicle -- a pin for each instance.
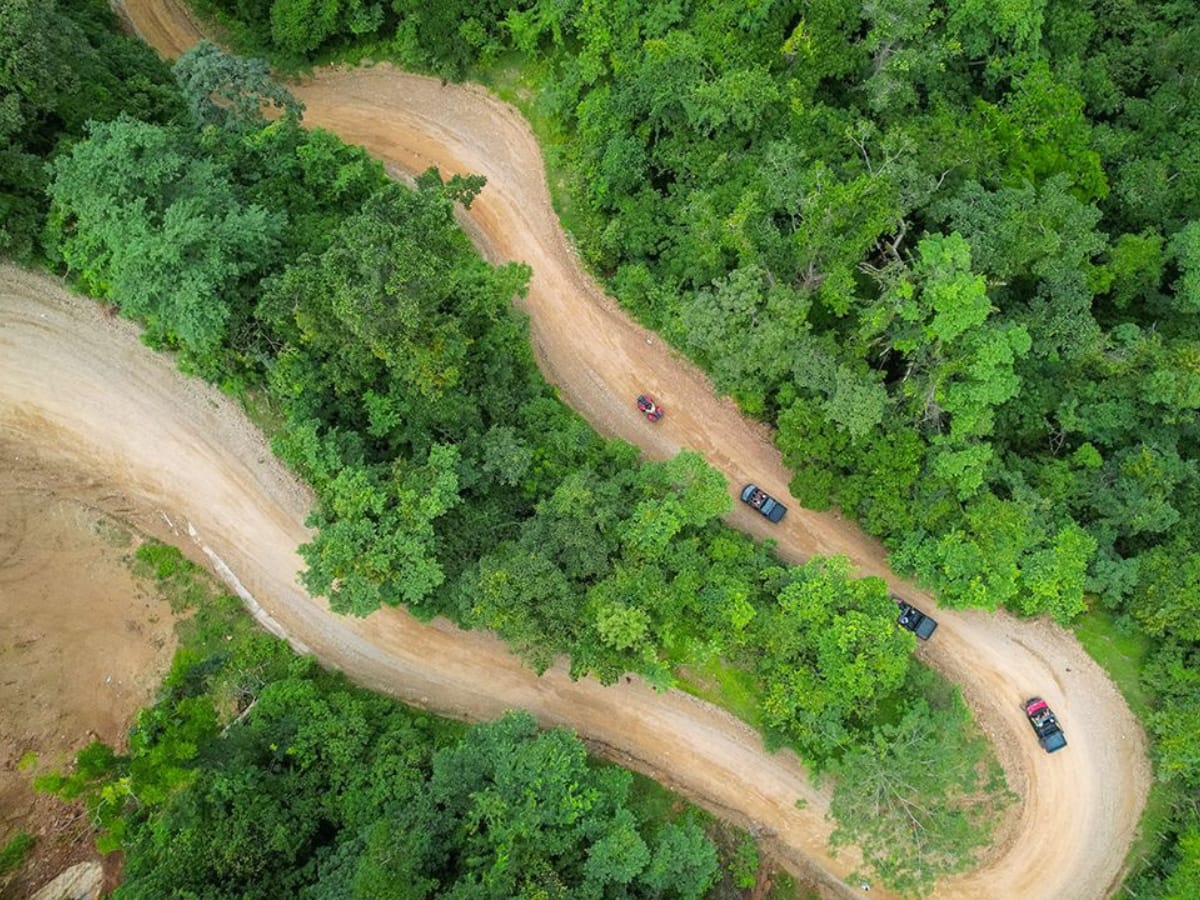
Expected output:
(650, 408)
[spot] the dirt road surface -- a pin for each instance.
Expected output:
(81, 394)
(80, 387)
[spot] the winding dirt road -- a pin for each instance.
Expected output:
(164, 450)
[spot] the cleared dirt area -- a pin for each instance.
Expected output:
(79, 386)
(82, 647)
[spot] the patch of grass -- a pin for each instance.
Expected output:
(179, 581)
(14, 853)
(652, 802)
(721, 683)
(28, 761)
(1121, 652)
(526, 85)
(222, 653)
(510, 78)
(262, 411)
(785, 887)
(112, 533)
(160, 562)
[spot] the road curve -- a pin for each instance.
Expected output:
(94, 412)
(1078, 810)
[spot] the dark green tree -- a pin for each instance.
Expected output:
(830, 655)
(62, 64)
(230, 91)
(141, 217)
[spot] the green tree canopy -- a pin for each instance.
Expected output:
(832, 654)
(140, 216)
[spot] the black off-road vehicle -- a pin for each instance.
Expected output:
(1045, 724)
(756, 497)
(914, 620)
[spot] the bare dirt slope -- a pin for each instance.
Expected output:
(1079, 808)
(83, 646)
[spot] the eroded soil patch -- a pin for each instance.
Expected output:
(83, 645)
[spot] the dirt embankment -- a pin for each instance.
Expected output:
(92, 395)
(83, 646)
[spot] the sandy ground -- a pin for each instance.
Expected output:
(82, 647)
(80, 387)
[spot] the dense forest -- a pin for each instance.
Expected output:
(951, 252)
(397, 379)
(952, 255)
(258, 775)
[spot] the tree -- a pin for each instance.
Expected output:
(140, 216)
(1166, 600)
(308, 174)
(1136, 267)
(62, 64)
(300, 26)
(881, 487)
(524, 597)
(230, 91)
(1171, 672)
(683, 862)
(506, 455)
(1185, 251)
(908, 53)
(575, 525)
(831, 655)
(700, 491)
(650, 528)
(959, 366)
(983, 27)
(34, 77)
(376, 543)
(728, 326)
(399, 287)
(1053, 578)
(397, 318)
(913, 797)
(1046, 132)
(1044, 233)
(515, 813)
(811, 446)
